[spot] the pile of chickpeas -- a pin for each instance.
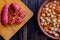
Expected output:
(50, 18)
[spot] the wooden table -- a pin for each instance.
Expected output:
(31, 31)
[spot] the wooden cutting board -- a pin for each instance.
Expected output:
(8, 31)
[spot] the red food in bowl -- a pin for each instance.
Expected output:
(47, 15)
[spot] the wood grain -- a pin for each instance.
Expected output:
(8, 31)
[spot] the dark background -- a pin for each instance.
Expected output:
(31, 31)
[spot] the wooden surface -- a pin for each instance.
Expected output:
(31, 31)
(8, 31)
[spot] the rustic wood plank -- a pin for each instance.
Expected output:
(25, 33)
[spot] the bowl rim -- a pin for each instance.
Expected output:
(38, 20)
